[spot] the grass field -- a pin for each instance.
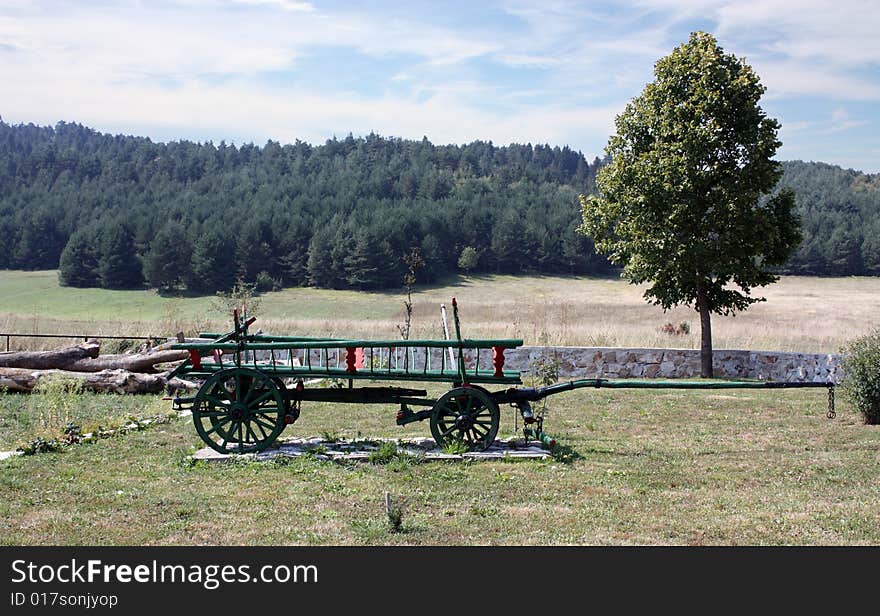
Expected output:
(646, 467)
(800, 314)
(650, 468)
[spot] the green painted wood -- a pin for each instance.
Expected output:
(428, 376)
(271, 337)
(675, 384)
(342, 344)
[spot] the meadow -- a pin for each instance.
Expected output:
(757, 467)
(684, 468)
(801, 313)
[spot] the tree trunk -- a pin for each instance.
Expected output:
(145, 362)
(57, 358)
(706, 370)
(106, 381)
(84, 358)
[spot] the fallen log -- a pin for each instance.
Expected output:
(144, 363)
(22, 380)
(84, 358)
(57, 358)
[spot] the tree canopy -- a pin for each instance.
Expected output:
(684, 204)
(202, 215)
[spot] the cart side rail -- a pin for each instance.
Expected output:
(357, 359)
(312, 343)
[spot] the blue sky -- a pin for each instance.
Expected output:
(542, 71)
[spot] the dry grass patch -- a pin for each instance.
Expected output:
(800, 314)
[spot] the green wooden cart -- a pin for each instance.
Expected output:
(255, 384)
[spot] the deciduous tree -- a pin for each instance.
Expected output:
(683, 204)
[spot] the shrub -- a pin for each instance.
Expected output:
(265, 283)
(682, 329)
(224, 302)
(861, 375)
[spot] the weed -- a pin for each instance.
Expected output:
(544, 369)
(386, 452)
(370, 531)
(55, 399)
(394, 513)
(316, 450)
(564, 453)
(330, 436)
(40, 445)
(484, 511)
(682, 329)
(455, 447)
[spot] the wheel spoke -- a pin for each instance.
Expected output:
(220, 412)
(218, 425)
(266, 416)
(268, 393)
(218, 398)
(254, 388)
(251, 433)
(260, 426)
(446, 433)
(263, 425)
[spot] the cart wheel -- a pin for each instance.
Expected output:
(467, 415)
(239, 410)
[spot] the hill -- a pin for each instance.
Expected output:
(119, 211)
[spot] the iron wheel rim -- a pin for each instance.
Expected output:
(465, 415)
(239, 410)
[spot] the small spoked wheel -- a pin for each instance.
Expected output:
(239, 410)
(465, 415)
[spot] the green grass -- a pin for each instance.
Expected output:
(637, 467)
(38, 294)
(24, 417)
(651, 468)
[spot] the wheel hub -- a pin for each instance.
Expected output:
(238, 411)
(464, 422)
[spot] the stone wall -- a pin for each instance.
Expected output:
(601, 362)
(597, 362)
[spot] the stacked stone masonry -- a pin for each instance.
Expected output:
(601, 362)
(594, 362)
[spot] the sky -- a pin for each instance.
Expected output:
(524, 71)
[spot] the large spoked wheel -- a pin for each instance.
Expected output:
(239, 410)
(465, 415)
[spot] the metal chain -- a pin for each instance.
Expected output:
(515, 418)
(831, 412)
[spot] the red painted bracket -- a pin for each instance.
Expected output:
(196, 359)
(351, 359)
(498, 360)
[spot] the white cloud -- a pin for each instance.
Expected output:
(287, 5)
(198, 68)
(791, 79)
